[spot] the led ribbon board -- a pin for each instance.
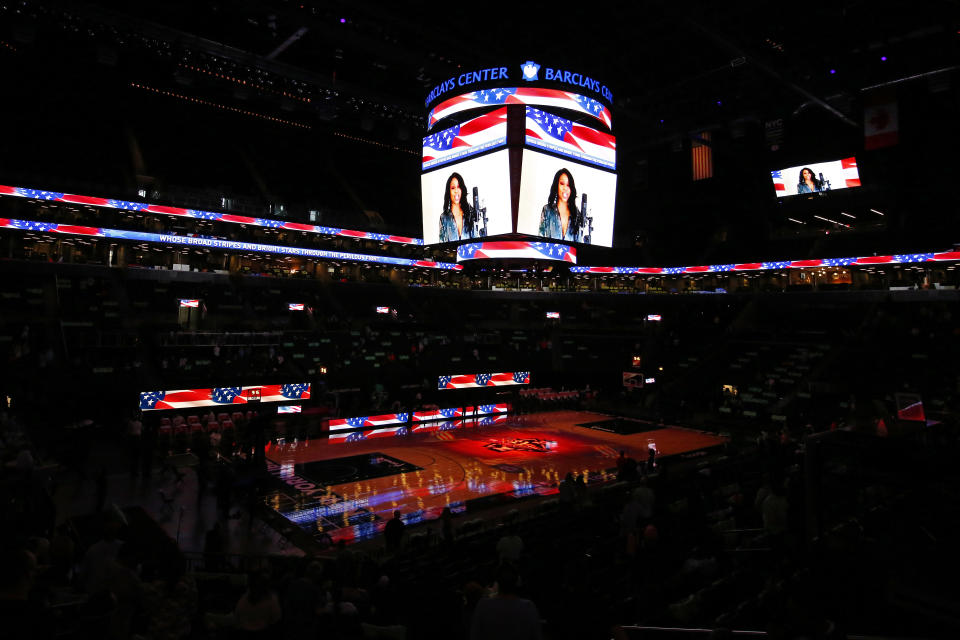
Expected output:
(401, 431)
(213, 243)
(341, 424)
(56, 196)
(461, 141)
(477, 380)
(360, 422)
(222, 396)
(565, 137)
(905, 258)
(520, 95)
(516, 249)
(460, 412)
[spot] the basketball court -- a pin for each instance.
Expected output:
(346, 486)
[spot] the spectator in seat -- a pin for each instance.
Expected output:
(506, 616)
(393, 532)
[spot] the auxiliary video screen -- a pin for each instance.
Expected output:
(467, 200)
(565, 200)
(818, 177)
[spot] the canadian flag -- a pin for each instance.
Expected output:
(880, 123)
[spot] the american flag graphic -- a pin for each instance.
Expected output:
(359, 436)
(189, 398)
(225, 395)
(459, 412)
(565, 137)
(778, 183)
(289, 391)
(520, 95)
(293, 408)
(473, 380)
(451, 425)
(149, 399)
(189, 304)
(517, 249)
(127, 205)
(905, 258)
(489, 131)
(358, 422)
(295, 306)
(776, 264)
(202, 241)
(50, 227)
(353, 436)
(840, 262)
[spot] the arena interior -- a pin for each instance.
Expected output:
(332, 320)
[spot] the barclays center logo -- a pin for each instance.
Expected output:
(530, 70)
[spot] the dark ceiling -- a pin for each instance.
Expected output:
(309, 101)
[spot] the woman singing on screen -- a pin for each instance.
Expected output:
(808, 181)
(457, 218)
(560, 218)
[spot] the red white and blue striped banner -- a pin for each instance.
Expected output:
(904, 258)
(341, 424)
(516, 249)
(190, 304)
(460, 141)
(401, 431)
(520, 95)
(290, 408)
(559, 135)
(220, 396)
(110, 203)
(460, 412)
(477, 380)
(215, 243)
(359, 422)
(450, 425)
